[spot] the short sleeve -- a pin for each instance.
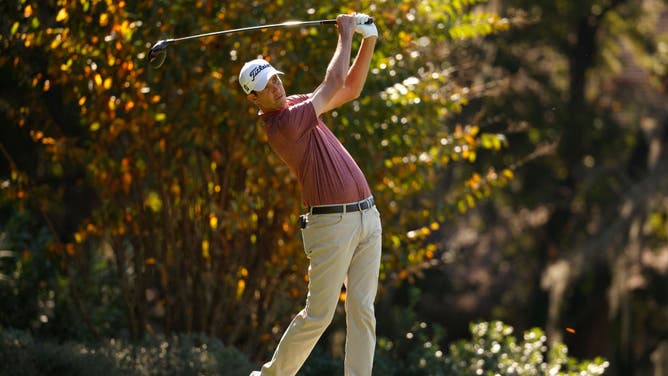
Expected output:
(297, 118)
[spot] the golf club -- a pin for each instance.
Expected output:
(158, 53)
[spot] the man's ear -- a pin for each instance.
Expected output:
(252, 97)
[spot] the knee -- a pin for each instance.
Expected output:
(361, 299)
(321, 314)
(361, 305)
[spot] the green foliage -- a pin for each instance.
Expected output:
(415, 353)
(491, 350)
(39, 294)
(20, 354)
(320, 362)
(494, 350)
(189, 219)
(407, 346)
(189, 211)
(28, 276)
(584, 98)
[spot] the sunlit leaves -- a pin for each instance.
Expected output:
(184, 177)
(493, 141)
(15, 28)
(27, 11)
(478, 24)
(153, 201)
(62, 15)
(493, 349)
(104, 19)
(98, 79)
(213, 221)
(434, 168)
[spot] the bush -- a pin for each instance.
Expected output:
(21, 355)
(27, 273)
(414, 353)
(319, 363)
(494, 350)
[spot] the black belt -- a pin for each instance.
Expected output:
(331, 209)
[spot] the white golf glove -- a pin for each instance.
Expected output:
(364, 29)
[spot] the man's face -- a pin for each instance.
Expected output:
(272, 97)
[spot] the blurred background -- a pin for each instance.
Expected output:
(516, 151)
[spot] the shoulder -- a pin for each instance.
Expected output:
(298, 116)
(299, 107)
(297, 99)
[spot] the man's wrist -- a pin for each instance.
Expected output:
(367, 31)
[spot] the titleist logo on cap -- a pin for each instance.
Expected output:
(253, 73)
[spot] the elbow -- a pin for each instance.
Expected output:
(351, 93)
(338, 84)
(335, 80)
(348, 93)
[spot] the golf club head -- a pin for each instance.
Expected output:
(158, 53)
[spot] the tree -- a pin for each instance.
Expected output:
(582, 91)
(161, 180)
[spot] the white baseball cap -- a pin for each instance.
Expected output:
(255, 74)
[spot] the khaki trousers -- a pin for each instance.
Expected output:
(343, 249)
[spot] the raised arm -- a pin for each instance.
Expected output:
(354, 83)
(337, 70)
(356, 75)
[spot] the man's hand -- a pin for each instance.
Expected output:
(367, 30)
(346, 24)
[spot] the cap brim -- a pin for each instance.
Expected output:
(263, 78)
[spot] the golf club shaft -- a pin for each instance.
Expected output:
(283, 24)
(157, 53)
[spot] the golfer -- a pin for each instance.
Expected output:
(342, 229)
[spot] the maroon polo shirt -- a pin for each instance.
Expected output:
(325, 170)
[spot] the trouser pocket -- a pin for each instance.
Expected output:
(321, 231)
